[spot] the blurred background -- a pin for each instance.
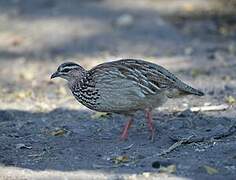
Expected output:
(193, 38)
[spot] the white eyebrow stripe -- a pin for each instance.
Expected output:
(69, 67)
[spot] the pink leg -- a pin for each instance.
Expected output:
(124, 134)
(150, 123)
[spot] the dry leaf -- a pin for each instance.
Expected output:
(98, 115)
(168, 169)
(230, 100)
(58, 132)
(210, 170)
(120, 159)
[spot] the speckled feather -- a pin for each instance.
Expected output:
(128, 85)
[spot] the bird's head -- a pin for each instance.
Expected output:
(69, 71)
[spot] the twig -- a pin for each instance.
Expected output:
(196, 138)
(221, 107)
(175, 145)
(128, 147)
(171, 148)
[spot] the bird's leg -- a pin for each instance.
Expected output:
(150, 123)
(124, 134)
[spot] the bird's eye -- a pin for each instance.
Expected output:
(65, 70)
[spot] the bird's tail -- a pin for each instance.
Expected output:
(189, 90)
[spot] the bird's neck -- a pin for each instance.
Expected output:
(77, 82)
(74, 83)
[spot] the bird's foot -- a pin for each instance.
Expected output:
(150, 124)
(152, 131)
(124, 134)
(152, 135)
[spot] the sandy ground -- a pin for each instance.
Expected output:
(46, 134)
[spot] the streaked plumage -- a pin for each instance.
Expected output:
(123, 86)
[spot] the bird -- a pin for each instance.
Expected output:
(124, 86)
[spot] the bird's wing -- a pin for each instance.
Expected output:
(150, 77)
(161, 77)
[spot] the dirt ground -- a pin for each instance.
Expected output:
(46, 134)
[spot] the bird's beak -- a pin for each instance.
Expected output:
(55, 74)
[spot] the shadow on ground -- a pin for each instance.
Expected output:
(69, 140)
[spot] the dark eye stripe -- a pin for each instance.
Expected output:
(65, 70)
